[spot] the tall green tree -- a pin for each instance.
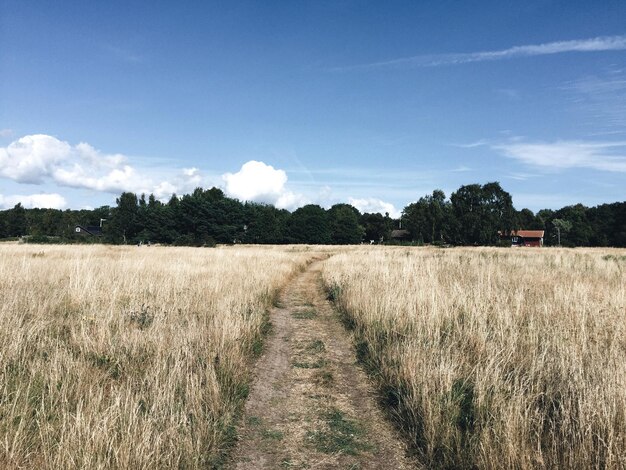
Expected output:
(16, 222)
(429, 219)
(415, 219)
(265, 223)
(3, 224)
(499, 211)
(562, 226)
(344, 225)
(526, 220)
(581, 230)
(309, 224)
(481, 212)
(125, 223)
(377, 227)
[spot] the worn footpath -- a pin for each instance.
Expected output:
(311, 405)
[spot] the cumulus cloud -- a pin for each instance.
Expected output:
(290, 200)
(39, 158)
(32, 158)
(603, 156)
(259, 182)
(256, 181)
(43, 200)
(373, 205)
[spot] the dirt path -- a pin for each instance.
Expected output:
(311, 405)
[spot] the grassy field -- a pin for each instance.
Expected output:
(494, 358)
(114, 357)
(120, 357)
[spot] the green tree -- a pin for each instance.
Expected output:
(526, 220)
(416, 219)
(581, 230)
(376, 226)
(16, 223)
(481, 212)
(3, 224)
(429, 220)
(498, 211)
(467, 207)
(125, 223)
(264, 223)
(344, 225)
(562, 226)
(309, 224)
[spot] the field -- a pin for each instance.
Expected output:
(117, 357)
(127, 357)
(494, 358)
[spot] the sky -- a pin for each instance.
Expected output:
(294, 102)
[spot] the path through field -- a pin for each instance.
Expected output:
(311, 405)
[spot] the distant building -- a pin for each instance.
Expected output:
(525, 237)
(400, 235)
(88, 231)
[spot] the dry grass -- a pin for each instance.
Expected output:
(495, 358)
(129, 358)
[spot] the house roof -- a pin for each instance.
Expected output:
(399, 233)
(528, 233)
(91, 229)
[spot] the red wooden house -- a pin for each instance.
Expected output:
(526, 237)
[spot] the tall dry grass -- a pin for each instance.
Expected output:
(115, 357)
(495, 358)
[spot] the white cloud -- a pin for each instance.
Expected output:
(39, 158)
(373, 205)
(471, 145)
(43, 200)
(6, 133)
(568, 154)
(259, 182)
(32, 158)
(115, 180)
(597, 44)
(289, 200)
(256, 181)
(461, 169)
(164, 190)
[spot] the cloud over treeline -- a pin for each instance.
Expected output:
(39, 158)
(31, 201)
(259, 182)
(45, 160)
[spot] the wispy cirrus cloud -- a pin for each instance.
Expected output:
(471, 145)
(602, 99)
(461, 169)
(559, 155)
(597, 44)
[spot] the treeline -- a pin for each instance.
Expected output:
(473, 215)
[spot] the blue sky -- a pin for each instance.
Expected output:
(373, 103)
